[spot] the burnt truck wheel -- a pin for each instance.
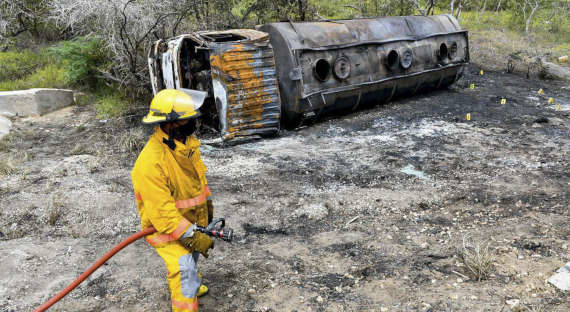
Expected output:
(291, 120)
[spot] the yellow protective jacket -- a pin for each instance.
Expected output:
(170, 187)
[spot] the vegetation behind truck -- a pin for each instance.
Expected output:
(259, 80)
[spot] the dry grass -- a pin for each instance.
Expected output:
(22, 156)
(7, 141)
(7, 165)
(95, 165)
(3, 146)
(56, 208)
(477, 258)
(131, 141)
(80, 149)
(495, 45)
(17, 137)
(16, 232)
(534, 308)
(14, 139)
(506, 51)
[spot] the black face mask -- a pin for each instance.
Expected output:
(186, 130)
(180, 133)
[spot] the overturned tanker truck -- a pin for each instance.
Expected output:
(256, 81)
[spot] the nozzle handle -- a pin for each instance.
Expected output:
(221, 232)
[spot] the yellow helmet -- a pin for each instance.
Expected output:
(172, 104)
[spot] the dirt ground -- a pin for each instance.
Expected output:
(364, 212)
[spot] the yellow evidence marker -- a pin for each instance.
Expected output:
(481, 72)
(550, 100)
(468, 116)
(558, 107)
(472, 86)
(503, 101)
(541, 91)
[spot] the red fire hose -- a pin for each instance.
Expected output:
(95, 266)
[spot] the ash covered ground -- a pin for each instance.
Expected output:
(364, 212)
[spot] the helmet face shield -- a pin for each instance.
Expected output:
(170, 105)
(197, 97)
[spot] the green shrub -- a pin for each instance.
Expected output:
(111, 105)
(19, 64)
(85, 98)
(80, 57)
(51, 76)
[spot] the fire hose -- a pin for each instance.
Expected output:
(211, 229)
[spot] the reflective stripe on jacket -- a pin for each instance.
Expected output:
(170, 187)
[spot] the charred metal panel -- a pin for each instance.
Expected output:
(245, 88)
(352, 63)
(155, 71)
(168, 69)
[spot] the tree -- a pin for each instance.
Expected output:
(428, 7)
(455, 11)
(127, 27)
(533, 5)
(26, 16)
(358, 8)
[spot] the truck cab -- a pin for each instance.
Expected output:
(235, 68)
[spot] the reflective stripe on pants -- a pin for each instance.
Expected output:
(183, 279)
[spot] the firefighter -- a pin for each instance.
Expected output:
(169, 181)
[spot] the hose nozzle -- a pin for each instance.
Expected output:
(220, 232)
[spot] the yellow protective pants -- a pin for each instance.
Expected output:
(183, 279)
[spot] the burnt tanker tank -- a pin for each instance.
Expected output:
(257, 80)
(353, 63)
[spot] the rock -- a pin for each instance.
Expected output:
(21, 255)
(561, 279)
(553, 71)
(251, 291)
(35, 102)
(563, 59)
(410, 170)
(5, 125)
(320, 299)
(513, 303)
